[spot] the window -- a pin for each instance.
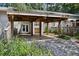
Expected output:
(25, 28)
(36, 23)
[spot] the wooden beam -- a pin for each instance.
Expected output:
(37, 18)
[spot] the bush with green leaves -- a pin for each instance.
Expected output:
(66, 37)
(20, 47)
(46, 29)
(55, 31)
(51, 31)
(77, 36)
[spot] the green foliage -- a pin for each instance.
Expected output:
(46, 29)
(77, 36)
(36, 6)
(66, 37)
(21, 6)
(27, 6)
(53, 31)
(20, 47)
(57, 7)
(64, 7)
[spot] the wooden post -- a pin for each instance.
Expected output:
(40, 24)
(59, 27)
(31, 28)
(76, 26)
(12, 25)
(47, 28)
(67, 29)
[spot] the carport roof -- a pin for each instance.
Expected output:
(36, 13)
(42, 14)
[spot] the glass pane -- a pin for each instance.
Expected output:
(26, 28)
(23, 27)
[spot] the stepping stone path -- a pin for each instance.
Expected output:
(60, 47)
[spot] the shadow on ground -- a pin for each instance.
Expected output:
(35, 37)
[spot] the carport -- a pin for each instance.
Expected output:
(46, 17)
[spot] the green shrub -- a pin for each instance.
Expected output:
(55, 31)
(20, 47)
(77, 36)
(62, 31)
(66, 37)
(46, 29)
(50, 31)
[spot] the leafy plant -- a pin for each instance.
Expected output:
(46, 29)
(55, 31)
(20, 47)
(77, 36)
(66, 37)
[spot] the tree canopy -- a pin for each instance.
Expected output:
(57, 7)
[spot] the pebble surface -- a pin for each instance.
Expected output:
(61, 47)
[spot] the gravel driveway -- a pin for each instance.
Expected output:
(60, 47)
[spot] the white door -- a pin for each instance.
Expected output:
(25, 28)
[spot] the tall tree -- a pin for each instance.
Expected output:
(21, 6)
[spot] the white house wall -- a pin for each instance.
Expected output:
(44, 26)
(63, 23)
(18, 25)
(51, 25)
